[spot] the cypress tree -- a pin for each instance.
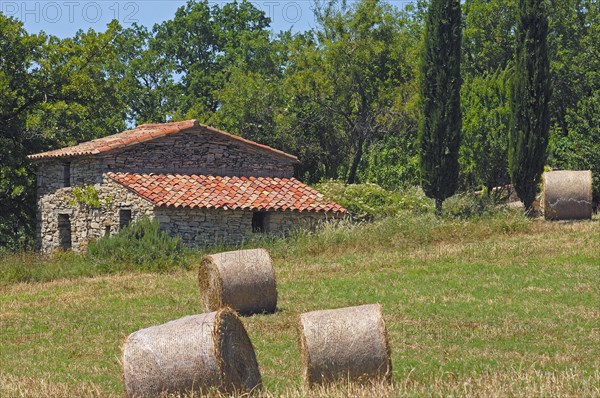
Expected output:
(440, 125)
(530, 121)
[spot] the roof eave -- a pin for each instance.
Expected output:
(40, 156)
(228, 208)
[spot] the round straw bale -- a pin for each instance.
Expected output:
(191, 354)
(345, 344)
(243, 280)
(567, 195)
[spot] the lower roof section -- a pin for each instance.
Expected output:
(215, 192)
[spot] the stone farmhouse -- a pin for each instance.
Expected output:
(200, 183)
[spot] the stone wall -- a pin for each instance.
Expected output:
(86, 224)
(201, 227)
(199, 152)
(86, 170)
(283, 222)
(196, 227)
(49, 176)
(81, 170)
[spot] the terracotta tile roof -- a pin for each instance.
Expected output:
(143, 133)
(212, 192)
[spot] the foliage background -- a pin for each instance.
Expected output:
(343, 96)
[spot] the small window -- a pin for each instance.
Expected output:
(67, 174)
(124, 217)
(64, 231)
(258, 221)
(107, 230)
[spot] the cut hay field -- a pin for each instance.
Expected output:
(497, 306)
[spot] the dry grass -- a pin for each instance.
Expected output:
(473, 308)
(513, 383)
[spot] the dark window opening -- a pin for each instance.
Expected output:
(124, 217)
(67, 174)
(258, 221)
(107, 230)
(64, 231)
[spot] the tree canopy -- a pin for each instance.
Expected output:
(441, 121)
(344, 96)
(530, 97)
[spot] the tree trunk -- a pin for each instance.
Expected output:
(355, 162)
(529, 211)
(438, 207)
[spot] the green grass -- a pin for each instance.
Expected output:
(497, 305)
(141, 246)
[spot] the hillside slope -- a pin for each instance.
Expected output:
(495, 306)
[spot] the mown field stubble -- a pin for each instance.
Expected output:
(497, 306)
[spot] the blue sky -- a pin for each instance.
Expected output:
(64, 17)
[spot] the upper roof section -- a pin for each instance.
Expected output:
(144, 133)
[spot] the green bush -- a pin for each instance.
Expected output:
(467, 205)
(486, 117)
(141, 245)
(392, 162)
(580, 148)
(370, 201)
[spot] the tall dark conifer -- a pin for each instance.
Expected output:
(440, 126)
(530, 123)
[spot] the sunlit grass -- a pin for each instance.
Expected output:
(496, 306)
